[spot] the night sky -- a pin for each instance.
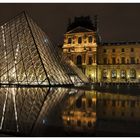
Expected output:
(117, 22)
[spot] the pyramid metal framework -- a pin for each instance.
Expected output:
(27, 57)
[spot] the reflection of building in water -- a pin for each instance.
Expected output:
(115, 112)
(118, 106)
(118, 112)
(80, 112)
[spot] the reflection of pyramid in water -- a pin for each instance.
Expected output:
(27, 56)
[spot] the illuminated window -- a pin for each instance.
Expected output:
(79, 40)
(69, 40)
(123, 74)
(132, 73)
(90, 39)
(104, 74)
(114, 74)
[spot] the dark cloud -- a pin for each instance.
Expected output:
(116, 21)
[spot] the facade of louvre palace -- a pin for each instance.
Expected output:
(117, 62)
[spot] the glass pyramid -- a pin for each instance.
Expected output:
(27, 57)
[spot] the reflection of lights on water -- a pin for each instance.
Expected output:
(3, 112)
(12, 90)
(15, 109)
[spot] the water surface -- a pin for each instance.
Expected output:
(68, 112)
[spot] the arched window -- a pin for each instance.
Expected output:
(79, 60)
(90, 39)
(79, 40)
(114, 74)
(69, 40)
(123, 74)
(132, 73)
(104, 74)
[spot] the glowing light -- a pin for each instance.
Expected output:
(15, 109)
(3, 35)
(92, 75)
(46, 40)
(3, 112)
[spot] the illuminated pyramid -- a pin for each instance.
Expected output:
(27, 57)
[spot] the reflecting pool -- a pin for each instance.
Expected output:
(68, 112)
